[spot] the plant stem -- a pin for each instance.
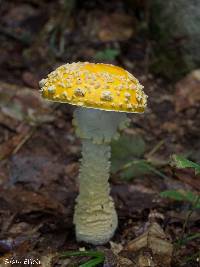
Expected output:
(188, 217)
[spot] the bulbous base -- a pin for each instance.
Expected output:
(95, 224)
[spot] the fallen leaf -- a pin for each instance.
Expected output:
(154, 239)
(109, 27)
(188, 177)
(132, 201)
(145, 259)
(25, 201)
(18, 228)
(30, 79)
(116, 248)
(187, 92)
(19, 243)
(31, 170)
(116, 27)
(23, 104)
(115, 260)
(46, 260)
(125, 262)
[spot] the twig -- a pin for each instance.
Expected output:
(24, 140)
(155, 149)
(146, 164)
(31, 132)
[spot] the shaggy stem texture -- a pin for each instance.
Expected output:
(95, 216)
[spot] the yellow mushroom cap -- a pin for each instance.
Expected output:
(100, 86)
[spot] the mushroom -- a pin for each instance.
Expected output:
(104, 94)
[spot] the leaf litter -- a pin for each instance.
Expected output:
(39, 154)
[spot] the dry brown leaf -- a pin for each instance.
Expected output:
(145, 259)
(25, 201)
(46, 260)
(188, 177)
(30, 79)
(188, 91)
(116, 248)
(116, 27)
(155, 240)
(115, 260)
(22, 104)
(124, 262)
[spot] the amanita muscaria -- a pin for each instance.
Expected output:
(104, 94)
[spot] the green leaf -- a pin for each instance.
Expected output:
(181, 163)
(128, 158)
(107, 54)
(97, 257)
(173, 194)
(82, 253)
(125, 149)
(189, 238)
(191, 197)
(182, 196)
(137, 168)
(93, 262)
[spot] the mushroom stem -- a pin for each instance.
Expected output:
(95, 216)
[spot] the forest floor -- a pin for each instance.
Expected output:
(39, 153)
